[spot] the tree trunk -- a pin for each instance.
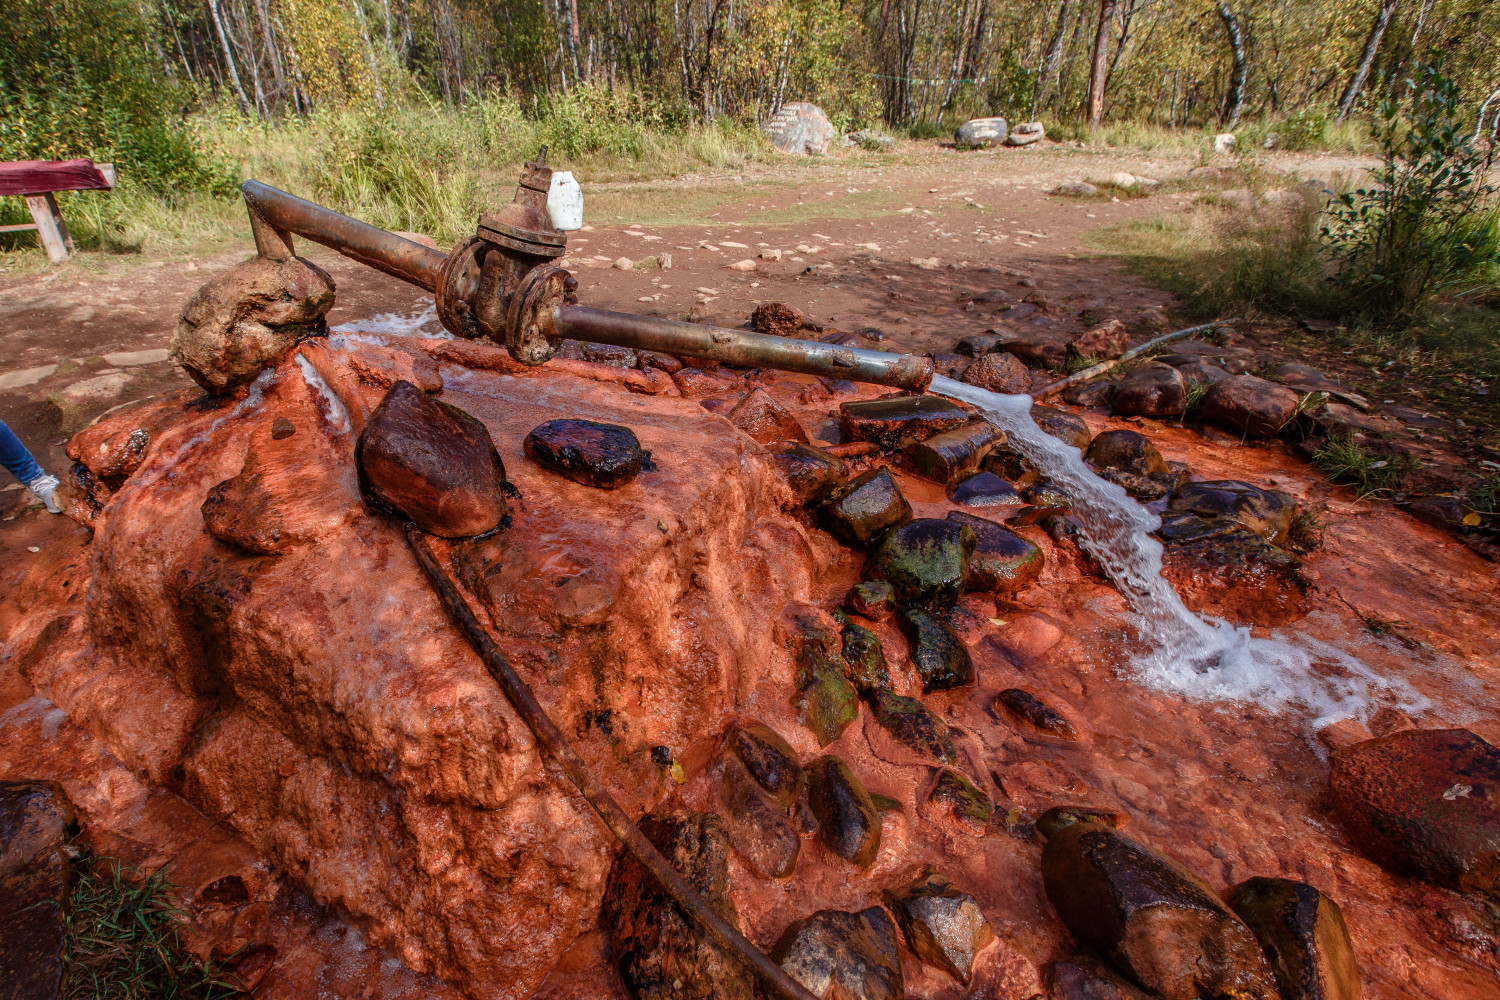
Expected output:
(364, 34)
(1236, 102)
(1099, 66)
(575, 39)
(234, 74)
(1367, 58)
(1046, 80)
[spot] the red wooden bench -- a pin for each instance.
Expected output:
(37, 180)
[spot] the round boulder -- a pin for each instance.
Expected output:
(801, 129)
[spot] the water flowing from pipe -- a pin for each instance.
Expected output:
(1201, 658)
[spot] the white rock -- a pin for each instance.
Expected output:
(979, 132)
(96, 388)
(1242, 198)
(1025, 134)
(125, 359)
(1122, 179)
(741, 265)
(800, 129)
(25, 376)
(623, 264)
(926, 263)
(770, 255)
(1079, 189)
(1224, 142)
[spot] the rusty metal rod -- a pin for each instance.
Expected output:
(557, 746)
(1094, 370)
(740, 347)
(275, 215)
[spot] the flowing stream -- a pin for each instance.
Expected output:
(1201, 658)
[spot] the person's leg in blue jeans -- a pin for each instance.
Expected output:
(20, 463)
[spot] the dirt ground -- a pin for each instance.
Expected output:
(900, 248)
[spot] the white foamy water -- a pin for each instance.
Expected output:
(417, 324)
(1206, 659)
(333, 407)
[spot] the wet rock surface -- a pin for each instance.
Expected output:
(1304, 937)
(952, 455)
(756, 824)
(1002, 561)
(1107, 340)
(1244, 404)
(843, 956)
(937, 651)
(826, 701)
(35, 879)
(770, 760)
(897, 421)
(811, 473)
(1220, 566)
(1058, 817)
(1263, 512)
(1084, 978)
(248, 318)
(660, 951)
(864, 655)
(848, 822)
(941, 924)
(765, 420)
(1034, 713)
(912, 726)
(866, 507)
(1065, 426)
(1151, 917)
(999, 371)
(605, 456)
(1152, 390)
(1127, 451)
(1424, 803)
(432, 463)
(874, 599)
(985, 489)
(961, 802)
(926, 561)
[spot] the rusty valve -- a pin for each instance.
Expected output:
(501, 283)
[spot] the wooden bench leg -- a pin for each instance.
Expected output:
(50, 226)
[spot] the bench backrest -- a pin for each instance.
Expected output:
(43, 176)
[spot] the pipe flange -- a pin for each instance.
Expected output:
(529, 334)
(457, 286)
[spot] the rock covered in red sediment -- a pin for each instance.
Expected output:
(866, 506)
(940, 657)
(1126, 450)
(245, 320)
(999, 371)
(897, 421)
(942, 924)
(777, 319)
(661, 952)
(926, 561)
(1082, 978)
(1109, 339)
(770, 760)
(765, 420)
(1151, 917)
(432, 463)
(1304, 937)
(605, 456)
(1425, 803)
(1034, 713)
(1152, 390)
(839, 955)
(959, 802)
(116, 445)
(912, 734)
(873, 599)
(848, 822)
(1058, 817)
(1245, 404)
(755, 822)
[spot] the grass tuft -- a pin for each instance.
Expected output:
(1368, 473)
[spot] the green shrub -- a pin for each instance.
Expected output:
(1368, 473)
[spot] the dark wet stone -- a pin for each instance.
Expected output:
(1304, 937)
(756, 823)
(812, 474)
(874, 599)
(1002, 561)
(1151, 917)
(1109, 339)
(843, 956)
(1045, 499)
(607, 354)
(848, 822)
(867, 506)
(978, 344)
(1013, 822)
(1066, 427)
(662, 362)
(937, 653)
(1448, 513)
(913, 725)
(1057, 817)
(770, 760)
(1424, 803)
(1145, 488)
(1029, 710)
(765, 420)
(1040, 349)
(986, 489)
(926, 560)
(777, 319)
(1084, 978)
(695, 382)
(1010, 465)
(948, 457)
(281, 429)
(865, 657)
(606, 456)
(1152, 390)
(1267, 514)
(432, 463)
(948, 363)
(35, 817)
(885, 804)
(1244, 404)
(1224, 568)
(897, 421)
(825, 700)
(943, 926)
(661, 952)
(1088, 394)
(961, 801)
(1198, 370)
(1129, 451)
(999, 371)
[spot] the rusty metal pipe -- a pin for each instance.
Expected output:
(740, 347)
(276, 215)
